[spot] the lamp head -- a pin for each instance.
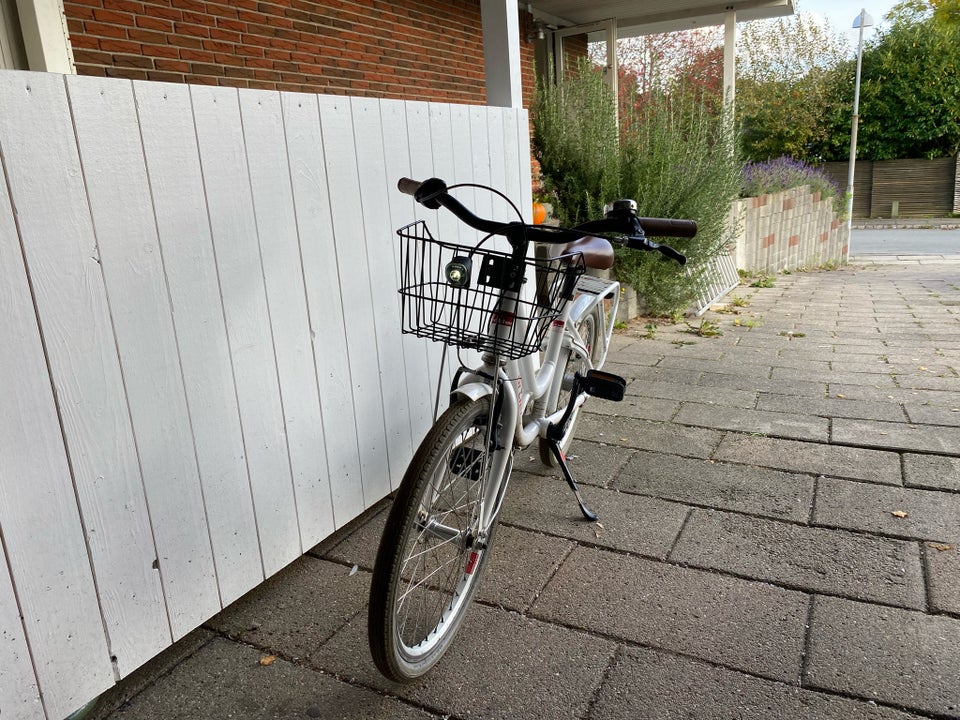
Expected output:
(867, 20)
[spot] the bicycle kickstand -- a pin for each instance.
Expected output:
(597, 384)
(562, 462)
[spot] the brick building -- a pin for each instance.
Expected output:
(415, 49)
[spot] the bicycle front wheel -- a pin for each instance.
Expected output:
(433, 552)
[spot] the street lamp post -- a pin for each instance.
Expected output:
(861, 21)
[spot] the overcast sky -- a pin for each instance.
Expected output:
(841, 13)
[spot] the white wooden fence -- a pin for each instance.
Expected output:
(201, 373)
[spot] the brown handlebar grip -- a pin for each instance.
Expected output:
(408, 186)
(668, 227)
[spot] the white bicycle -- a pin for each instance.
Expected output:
(512, 309)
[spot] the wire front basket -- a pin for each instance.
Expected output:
(455, 294)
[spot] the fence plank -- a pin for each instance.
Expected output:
(375, 188)
(21, 697)
(318, 252)
(515, 163)
(173, 165)
(61, 253)
(286, 297)
(449, 227)
(233, 227)
(396, 148)
(57, 598)
(347, 214)
(421, 168)
(108, 135)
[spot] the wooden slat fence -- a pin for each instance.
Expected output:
(201, 370)
(920, 188)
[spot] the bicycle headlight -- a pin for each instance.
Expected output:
(457, 272)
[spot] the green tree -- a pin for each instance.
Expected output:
(787, 86)
(910, 93)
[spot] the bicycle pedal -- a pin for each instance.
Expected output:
(603, 385)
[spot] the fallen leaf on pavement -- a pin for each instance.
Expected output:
(939, 546)
(268, 659)
(899, 514)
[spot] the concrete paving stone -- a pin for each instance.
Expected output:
(831, 407)
(943, 570)
(648, 435)
(924, 397)
(732, 487)
(742, 624)
(643, 684)
(742, 367)
(777, 424)
(935, 472)
(501, 666)
(120, 695)
(935, 367)
(621, 340)
(626, 371)
(632, 406)
(225, 681)
(360, 546)
(631, 359)
(804, 558)
(877, 466)
(296, 610)
(520, 565)
(689, 346)
(932, 414)
(900, 657)
(879, 380)
(926, 381)
(873, 365)
(931, 515)
(707, 395)
(670, 375)
(592, 463)
(855, 354)
(869, 338)
(899, 436)
(786, 387)
(703, 349)
(631, 523)
(925, 357)
(346, 530)
(794, 360)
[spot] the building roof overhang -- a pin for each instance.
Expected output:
(643, 17)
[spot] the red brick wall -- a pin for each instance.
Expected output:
(415, 49)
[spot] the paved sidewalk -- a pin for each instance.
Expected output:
(780, 518)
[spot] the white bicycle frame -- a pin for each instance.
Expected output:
(528, 380)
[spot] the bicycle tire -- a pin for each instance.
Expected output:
(412, 622)
(589, 329)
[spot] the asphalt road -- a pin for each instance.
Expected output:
(905, 241)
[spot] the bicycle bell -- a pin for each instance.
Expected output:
(620, 206)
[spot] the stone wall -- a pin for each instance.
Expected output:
(788, 230)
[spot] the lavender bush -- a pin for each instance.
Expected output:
(783, 173)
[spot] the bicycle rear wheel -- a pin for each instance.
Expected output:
(573, 362)
(432, 553)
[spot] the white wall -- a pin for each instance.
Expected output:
(201, 371)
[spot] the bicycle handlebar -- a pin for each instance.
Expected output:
(433, 194)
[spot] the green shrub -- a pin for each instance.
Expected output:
(670, 154)
(783, 173)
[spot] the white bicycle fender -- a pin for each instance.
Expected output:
(473, 390)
